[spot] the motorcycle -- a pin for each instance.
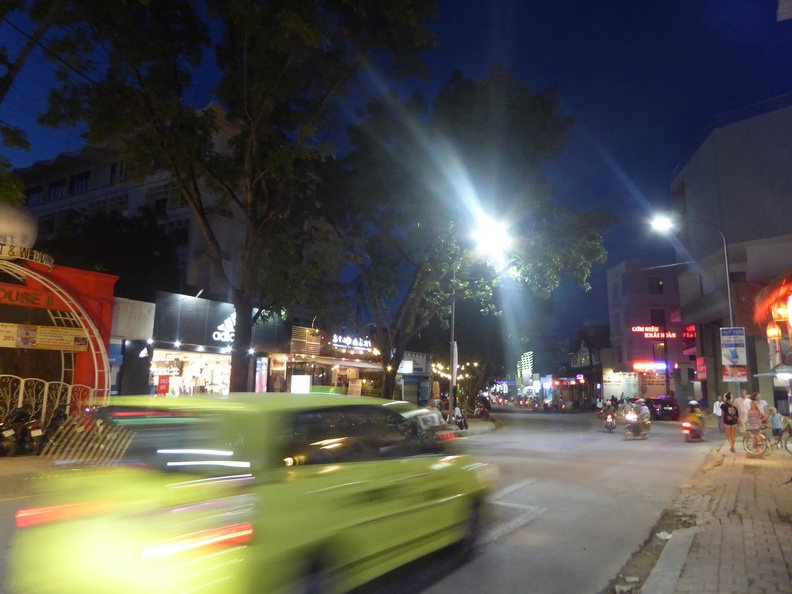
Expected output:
(27, 430)
(58, 418)
(610, 422)
(8, 446)
(692, 431)
(635, 428)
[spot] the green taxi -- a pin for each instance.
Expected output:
(251, 493)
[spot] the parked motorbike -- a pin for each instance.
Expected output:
(58, 418)
(27, 430)
(8, 445)
(610, 422)
(635, 428)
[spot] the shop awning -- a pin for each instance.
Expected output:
(319, 360)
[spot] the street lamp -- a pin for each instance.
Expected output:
(492, 239)
(664, 224)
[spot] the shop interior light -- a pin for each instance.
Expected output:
(779, 312)
(251, 351)
(177, 344)
(150, 341)
(773, 331)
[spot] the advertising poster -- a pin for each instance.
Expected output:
(734, 356)
(51, 338)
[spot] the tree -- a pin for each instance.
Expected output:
(280, 71)
(45, 14)
(414, 183)
(135, 249)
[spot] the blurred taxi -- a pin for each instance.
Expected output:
(252, 493)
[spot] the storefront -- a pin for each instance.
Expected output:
(189, 350)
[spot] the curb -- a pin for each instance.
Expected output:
(665, 575)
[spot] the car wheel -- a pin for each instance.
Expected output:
(318, 578)
(467, 544)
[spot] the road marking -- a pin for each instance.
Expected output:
(502, 530)
(511, 489)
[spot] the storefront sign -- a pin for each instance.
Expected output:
(51, 338)
(649, 366)
(653, 332)
(25, 297)
(340, 341)
(15, 252)
(734, 361)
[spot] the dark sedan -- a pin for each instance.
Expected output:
(663, 408)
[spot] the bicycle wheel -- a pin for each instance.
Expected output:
(787, 442)
(755, 444)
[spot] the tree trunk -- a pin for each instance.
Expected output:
(389, 385)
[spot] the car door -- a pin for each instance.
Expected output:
(353, 487)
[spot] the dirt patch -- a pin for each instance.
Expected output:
(645, 558)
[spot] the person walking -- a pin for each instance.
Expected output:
(718, 412)
(730, 418)
(777, 424)
(743, 404)
(756, 418)
(761, 402)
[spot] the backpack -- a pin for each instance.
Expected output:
(730, 416)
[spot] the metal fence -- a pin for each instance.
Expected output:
(43, 397)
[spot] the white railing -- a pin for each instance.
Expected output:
(44, 397)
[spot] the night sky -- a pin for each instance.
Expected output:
(645, 81)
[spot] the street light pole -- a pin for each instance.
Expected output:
(664, 224)
(454, 354)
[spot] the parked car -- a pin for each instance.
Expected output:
(254, 493)
(663, 408)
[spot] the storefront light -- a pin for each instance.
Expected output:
(177, 344)
(251, 351)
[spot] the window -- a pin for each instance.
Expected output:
(657, 317)
(659, 351)
(79, 183)
(57, 190)
(350, 434)
(117, 172)
(655, 285)
(33, 196)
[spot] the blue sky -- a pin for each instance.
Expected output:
(644, 81)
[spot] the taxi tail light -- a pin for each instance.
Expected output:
(446, 435)
(35, 516)
(229, 535)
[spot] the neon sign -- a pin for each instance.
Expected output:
(649, 366)
(653, 332)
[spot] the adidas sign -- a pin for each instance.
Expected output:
(225, 331)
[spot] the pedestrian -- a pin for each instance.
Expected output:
(730, 417)
(716, 410)
(756, 418)
(743, 404)
(761, 402)
(777, 424)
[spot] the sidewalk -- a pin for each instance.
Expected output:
(742, 541)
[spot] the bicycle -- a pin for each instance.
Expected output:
(786, 438)
(755, 442)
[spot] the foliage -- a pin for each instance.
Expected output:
(45, 13)
(416, 182)
(135, 249)
(278, 70)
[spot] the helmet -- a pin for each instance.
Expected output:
(693, 404)
(640, 402)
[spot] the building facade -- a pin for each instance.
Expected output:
(646, 334)
(732, 192)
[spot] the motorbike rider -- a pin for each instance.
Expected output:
(642, 411)
(694, 415)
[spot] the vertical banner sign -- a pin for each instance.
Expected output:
(734, 357)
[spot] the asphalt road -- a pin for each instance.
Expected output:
(574, 502)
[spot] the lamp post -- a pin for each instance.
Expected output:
(664, 224)
(492, 239)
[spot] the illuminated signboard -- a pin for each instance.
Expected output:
(653, 332)
(649, 366)
(689, 331)
(351, 342)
